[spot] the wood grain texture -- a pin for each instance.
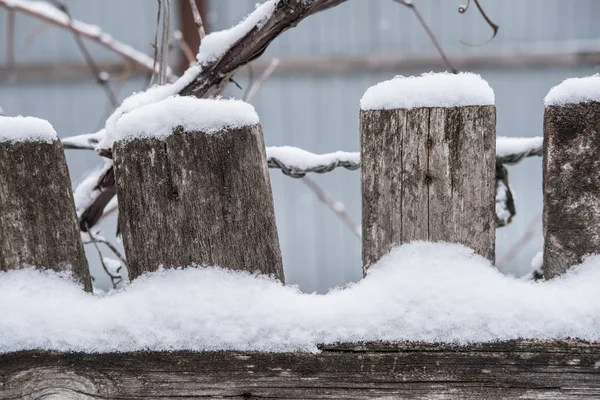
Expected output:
(428, 174)
(507, 370)
(38, 224)
(197, 198)
(571, 185)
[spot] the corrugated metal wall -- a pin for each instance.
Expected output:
(320, 112)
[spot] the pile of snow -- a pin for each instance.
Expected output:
(574, 90)
(513, 145)
(428, 90)
(26, 129)
(419, 292)
(157, 120)
(302, 159)
(215, 44)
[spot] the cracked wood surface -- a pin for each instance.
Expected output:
(38, 224)
(197, 198)
(505, 370)
(428, 174)
(571, 169)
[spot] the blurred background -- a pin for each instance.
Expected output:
(312, 99)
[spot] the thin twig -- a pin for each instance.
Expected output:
(98, 75)
(198, 21)
(164, 41)
(87, 31)
(111, 246)
(184, 47)
(336, 206)
(261, 79)
(463, 9)
(115, 280)
(155, 45)
(409, 4)
(10, 42)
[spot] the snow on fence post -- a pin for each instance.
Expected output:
(193, 187)
(428, 163)
(571, 174)
(38, 224)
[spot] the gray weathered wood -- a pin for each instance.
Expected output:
(508, 370)
(38, 224)
(428, 174)
(197, 198)
(571, 185)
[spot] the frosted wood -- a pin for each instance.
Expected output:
(571, 185)
(506, 370)
(197, 198)
(38, 224)
(428, 174)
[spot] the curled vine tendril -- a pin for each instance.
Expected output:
(463, 9)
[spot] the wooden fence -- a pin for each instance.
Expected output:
(210, 202)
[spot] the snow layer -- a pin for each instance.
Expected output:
(574, 90)
(421, 291)
(428, 90)
(157, 120)
(514, 145)
(215, 44)
(26, 129)
(302, 159)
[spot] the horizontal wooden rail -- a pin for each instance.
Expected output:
(506, 370)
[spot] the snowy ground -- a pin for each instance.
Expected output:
(421, 291)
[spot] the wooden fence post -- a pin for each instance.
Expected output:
(38, 224)
(196, 189)
(571, 174)
(428, 163)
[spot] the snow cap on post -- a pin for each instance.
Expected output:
(193, 187)
(571, 174)
(574, 90)
(157, 120)
(26, 129)
(442, 90)
(428, 153)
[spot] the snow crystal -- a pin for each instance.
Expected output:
(302, 159)
(514, 145)
(502, 212)
(157, 120)
(432, 292)
(428, 90)
(217, 43)
(574, 90)
(26, 129)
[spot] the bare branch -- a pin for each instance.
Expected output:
(53, 16)
(164, 41)
(198, 20)
(261, 79)
(409, 4)
(337, 207)
(115, 280)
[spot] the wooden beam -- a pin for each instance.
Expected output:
(506, 370)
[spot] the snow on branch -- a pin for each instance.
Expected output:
(48, 13)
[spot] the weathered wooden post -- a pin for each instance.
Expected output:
(193, 187)
(38, 225)
(571, 174)
(428, 163)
